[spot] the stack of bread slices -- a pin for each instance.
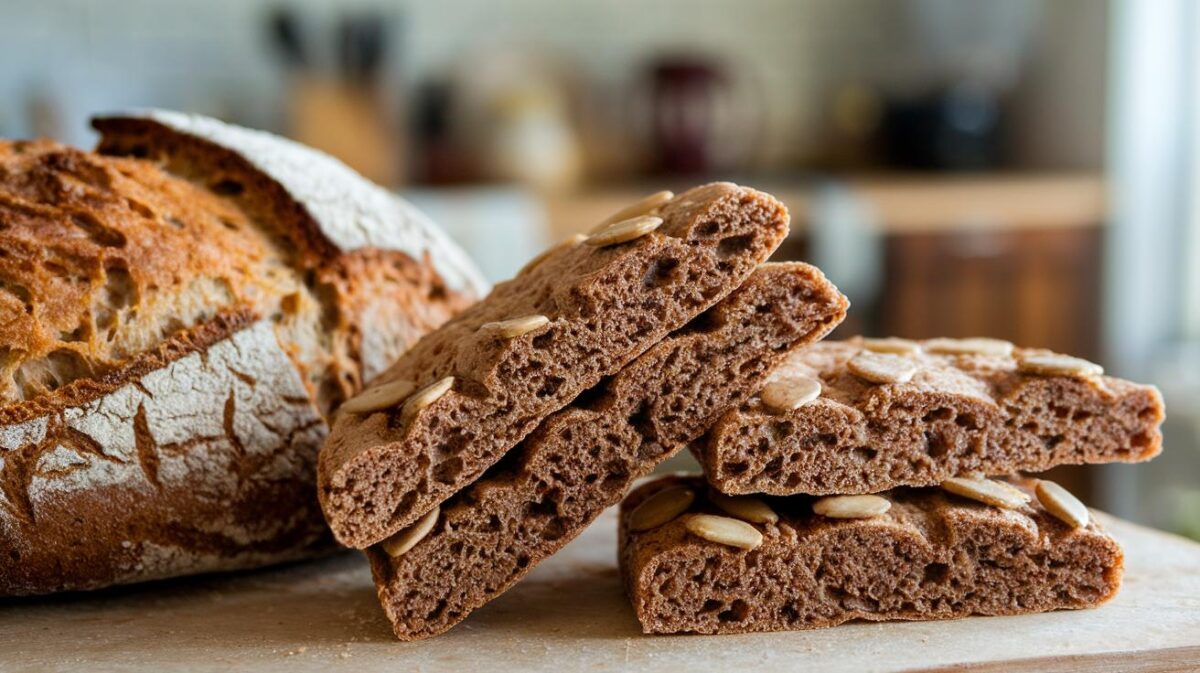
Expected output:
(877, 479)
(498, 437)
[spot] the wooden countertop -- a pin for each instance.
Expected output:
(903, 204)
(570, 615)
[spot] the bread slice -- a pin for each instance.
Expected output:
(162, 345)
(581, 459)
(932, 555)
(958, 414)
(591, 306)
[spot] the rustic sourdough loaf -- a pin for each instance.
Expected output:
(172, 327)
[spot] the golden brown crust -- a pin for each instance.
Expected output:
(958, 414)
(931, 556)
(379, 473)
(382, 293)
(102, 258)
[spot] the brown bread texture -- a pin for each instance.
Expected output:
(165, 356)
(958, 414)
(584, 457)
(933, 555)
(380, 471)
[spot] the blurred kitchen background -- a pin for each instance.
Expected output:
(1022, 169)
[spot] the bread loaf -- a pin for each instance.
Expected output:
(174, 326)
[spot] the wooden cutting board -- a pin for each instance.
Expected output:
(570, 615)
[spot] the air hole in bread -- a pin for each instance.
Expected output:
(448, 470)
(774, 467)
(550, 386)
(661, 272)
(939, 414)
(737, 612)
(543, 340)
(78, 334)
(97, 231)
(51, 372)
(731, 246)
(141, 209)
(736, 467)
(228, 187)
(936, 444)
(864, 454)
(20, 292)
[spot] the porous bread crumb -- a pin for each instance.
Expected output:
(959, 414)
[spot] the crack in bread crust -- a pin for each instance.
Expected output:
(227, 490)
(372, 273)
(582, 459)
(378, 474)
(931, 556)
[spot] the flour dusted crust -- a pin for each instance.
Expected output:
(132, 485)
(606, 304)
(377, 271)
(189, 310)
(582, 458)
(931, 556)
(351, 212)
(958, 414)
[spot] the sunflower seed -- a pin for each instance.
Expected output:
(425, 397)
(971, 346)
(987, 491)
(624, 231)
(644, 206)
(724, 530)
(852, 506)
(1055, 364)
(511, 329)
(882, 367)
(792, 392)
(892, 345)
(378, 397)
(1064, 506)
(744, 507)
(408, 538)
(660, 508)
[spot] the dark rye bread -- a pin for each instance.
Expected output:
(958, 414)
(379, 472)
(583, 458)
(933, 555)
